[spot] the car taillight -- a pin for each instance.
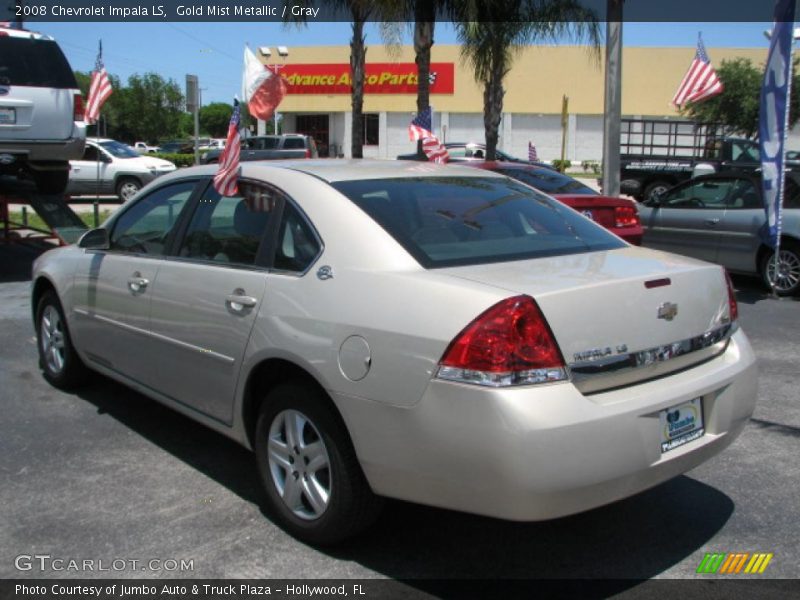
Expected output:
(77, 108)
(733, 306)
(308, 153)
(625, 216)
(509, 344)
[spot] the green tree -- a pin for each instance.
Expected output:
(214, 119)
(492, 33)
(423, 13)
(737, 106)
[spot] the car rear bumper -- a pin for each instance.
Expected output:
(27, 151)
(543, 452)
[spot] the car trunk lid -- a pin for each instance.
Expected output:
(621, 316)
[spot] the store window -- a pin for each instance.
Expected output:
(371, 137)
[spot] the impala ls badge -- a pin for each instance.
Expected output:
(667, 311)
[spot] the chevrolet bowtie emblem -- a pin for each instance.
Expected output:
(667, 311)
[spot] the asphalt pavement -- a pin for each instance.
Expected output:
(105, 474)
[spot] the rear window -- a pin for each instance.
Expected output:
(34, 63)
(452, 221)
(549, 182)
(294, 143)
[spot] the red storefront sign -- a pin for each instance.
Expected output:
(381, 78)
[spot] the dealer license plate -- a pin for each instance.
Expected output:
(8, 116)
(681, 424)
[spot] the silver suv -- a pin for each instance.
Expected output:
(41, 110)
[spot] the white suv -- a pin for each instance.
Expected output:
(41, 110)
(110, 167)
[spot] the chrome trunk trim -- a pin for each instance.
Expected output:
(610, 372)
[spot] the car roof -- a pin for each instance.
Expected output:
(334, 170)
(23, 33)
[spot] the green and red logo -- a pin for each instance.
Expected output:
(734, 563)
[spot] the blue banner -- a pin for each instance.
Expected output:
(774, 115)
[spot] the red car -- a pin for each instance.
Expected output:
(618, 215)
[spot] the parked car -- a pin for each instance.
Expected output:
(449, 336)
(471, 151)
(656, 154)
(41, 110)
(270, 147)
(144, 148)
(122, 170)
(721, 219)
(618, 215)
(177, 147)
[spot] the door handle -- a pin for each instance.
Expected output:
(238, 301)
(711, 222)
(137, 283)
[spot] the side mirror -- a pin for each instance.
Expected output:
(95, 239)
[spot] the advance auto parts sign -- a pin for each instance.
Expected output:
(380, 78)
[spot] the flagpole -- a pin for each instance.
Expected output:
(782, 187)
(96, 207)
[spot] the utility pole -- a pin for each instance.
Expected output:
(612, 113)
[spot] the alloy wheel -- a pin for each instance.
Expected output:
(299, 464)
(787, 275)
(51, 332)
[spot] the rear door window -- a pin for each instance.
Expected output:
(450, 221)
(230, 229)
(34, 63)
(294, 143)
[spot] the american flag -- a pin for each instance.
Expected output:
(420, 129)
(532, 155)
(435, 150)
(701, 80)
(228, 172)
(420, 126)
(99, 89)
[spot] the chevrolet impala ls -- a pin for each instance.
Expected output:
(439, 334)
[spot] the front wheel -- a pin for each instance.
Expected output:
(308, 467)
(60, 363)
(655, 189)
(127, 188)
(785, 276)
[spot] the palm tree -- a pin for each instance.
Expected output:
(492, 33)
(423, 13)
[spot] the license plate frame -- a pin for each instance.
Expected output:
(8, 116)
(681, 424)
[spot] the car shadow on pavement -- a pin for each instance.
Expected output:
(16, 258)
(631, 540)
(750, 290)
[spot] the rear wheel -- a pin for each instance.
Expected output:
(127, 188)
(308, 467)
(785, 276)
(656, 188)
(59, 361)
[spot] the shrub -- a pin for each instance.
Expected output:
(592, 165)
(180, 160)
(561, 165)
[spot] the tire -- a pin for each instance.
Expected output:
(300, 438)
(788, 283)
(50, 182)
(59, 361)
(656, 188)
(127, 187)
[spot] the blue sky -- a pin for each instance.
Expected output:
(213, 51)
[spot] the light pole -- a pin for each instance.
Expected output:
(283, 52)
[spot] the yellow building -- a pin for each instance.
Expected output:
(319, 100)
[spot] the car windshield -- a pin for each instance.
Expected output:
(451, 221)
(119, 150)
(549, 182)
